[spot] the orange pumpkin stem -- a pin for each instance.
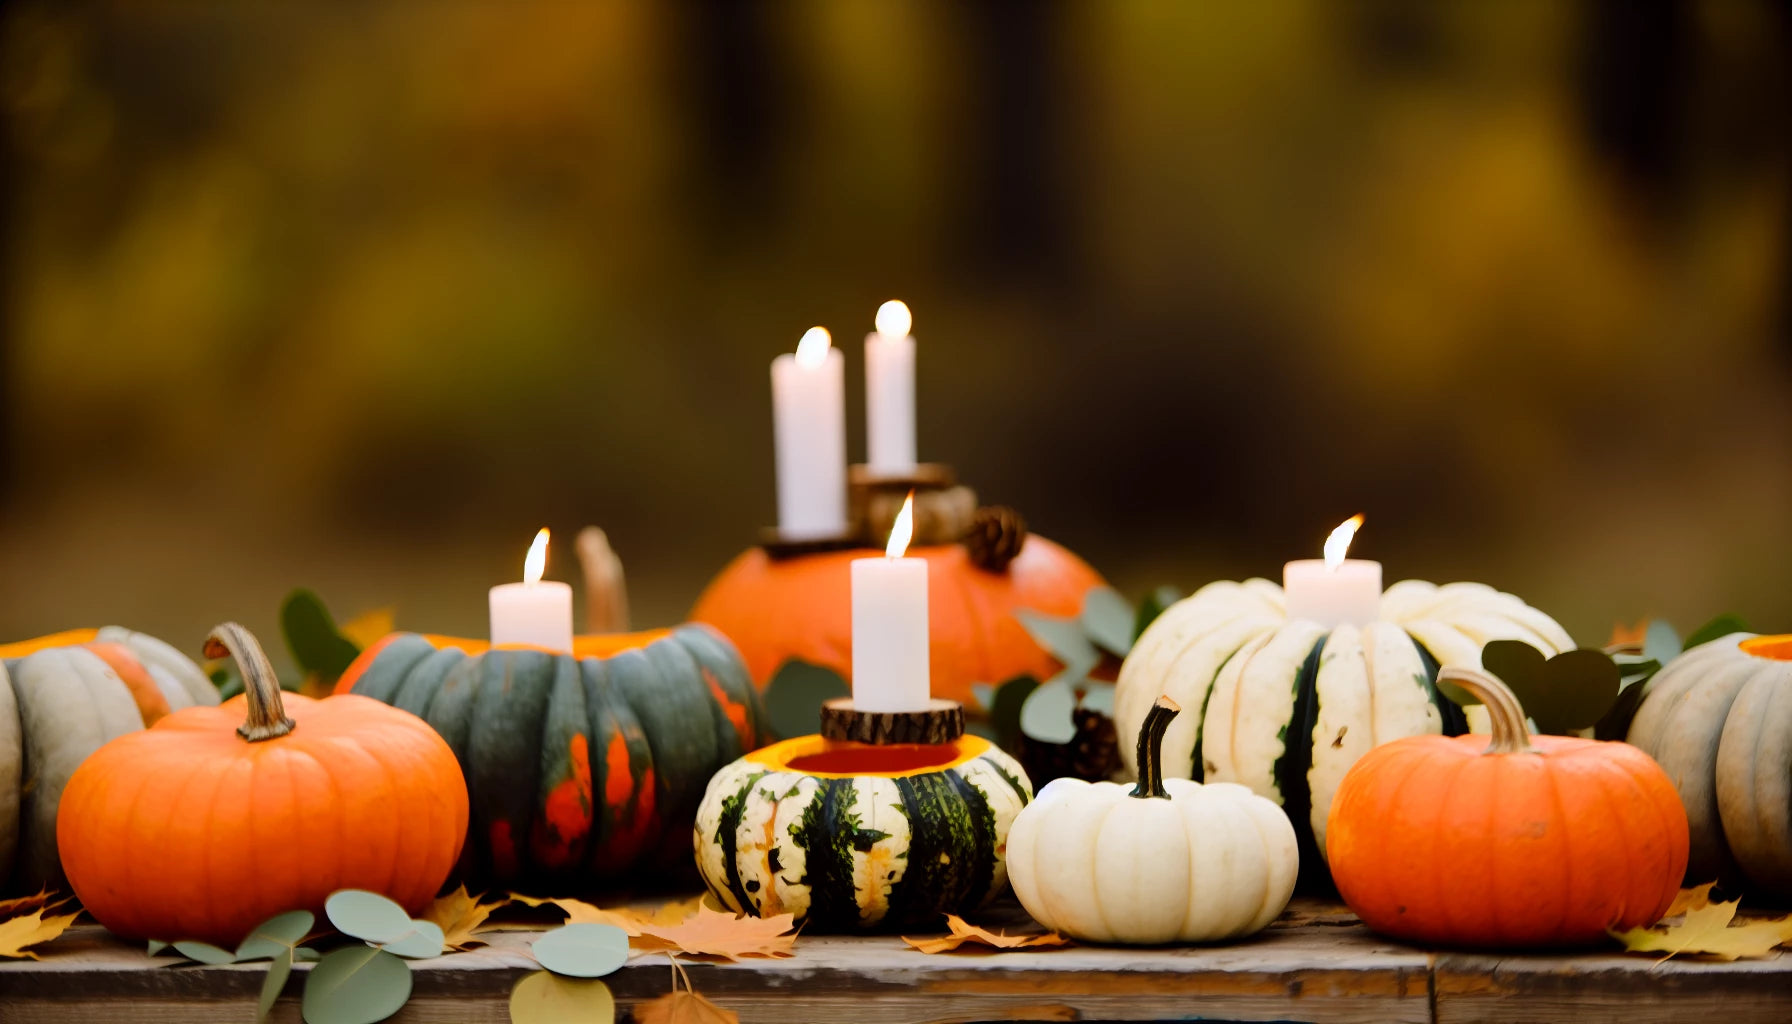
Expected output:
(261, 688)
(1509, 735)
(1151, 749)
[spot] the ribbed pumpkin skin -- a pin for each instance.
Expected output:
(863, 851)
(186, 831)
(1719, 720)
(61, 698)
(577, 768)
(801, 608)
(1249, 679)
(1431, 841)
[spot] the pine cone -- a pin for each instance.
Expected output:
(995, 537)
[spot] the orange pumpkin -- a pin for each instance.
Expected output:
(206, 825)
(776, 610)
(1527, 841)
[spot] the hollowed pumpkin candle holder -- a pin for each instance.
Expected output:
(581, 766)
(782, 602)
(852, 836)
(1718, 719)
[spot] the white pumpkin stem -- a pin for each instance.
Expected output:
(261, 688)
(1509, 736)
(1151, 749)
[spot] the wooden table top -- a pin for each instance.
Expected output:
(1317, 963)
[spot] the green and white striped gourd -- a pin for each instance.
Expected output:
(1249, 678)
(850, 838)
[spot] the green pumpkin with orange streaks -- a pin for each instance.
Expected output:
(581, 765)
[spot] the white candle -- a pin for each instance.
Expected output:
(809, 428)
(535, 612)
(890, 393)
(1335, 590)
(889, 625)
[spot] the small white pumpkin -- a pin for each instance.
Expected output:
(1719, 719)
(1167, 860)
(1286, 706)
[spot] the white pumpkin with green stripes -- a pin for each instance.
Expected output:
(1250, 678)
(850, 838)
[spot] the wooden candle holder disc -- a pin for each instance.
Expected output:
(778, 547)
(942, 722)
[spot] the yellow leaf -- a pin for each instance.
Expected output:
(580, 912)
(460, 917)
(30, 930)
(546, 998)
(683, 1008)
(21, 904)
(1706, 931)
(963, 933)
(715, 933)
(367, 627)
(1689, 899)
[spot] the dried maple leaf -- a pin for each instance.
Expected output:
(682, 1008)
(1706, 931)
(460, 917)
(1628, 636)
(716, 933)
(30, 930)
(963, 933)
(629, 919)
(22, 904)
(1689, 899)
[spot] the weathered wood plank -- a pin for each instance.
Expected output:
(1614, 987)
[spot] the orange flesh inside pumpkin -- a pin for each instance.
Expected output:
(839, 759)
(1777, 648)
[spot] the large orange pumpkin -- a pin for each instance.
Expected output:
(776, 610)
(206, 825)
(1527, 841)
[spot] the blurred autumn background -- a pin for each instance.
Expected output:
(357, 296)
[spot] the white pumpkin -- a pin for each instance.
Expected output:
(1718, 719)
(61, 698)
(1168, 860)
(1251, 679)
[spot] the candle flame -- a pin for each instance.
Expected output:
(893, 319)
(812, 351)
(903, 529)
(536, 562)
(1339, 542)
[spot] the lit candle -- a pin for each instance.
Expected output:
(809, 428)
(534, 613)
(890, 393)
(889, 625)
(1334, 591)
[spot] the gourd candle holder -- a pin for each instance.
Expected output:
(861, 836)
(579, 765)
(1286, 706)
(783, 602)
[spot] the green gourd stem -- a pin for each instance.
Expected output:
(1509, 736)
(1151, 749)
(261, 688)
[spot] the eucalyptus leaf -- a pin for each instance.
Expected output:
(423, 943)
(794, 697)
(1098, 696)
(311, 634)
(156, 946)
(1721, 626)
(1563, 694)
(582, 950)
(367, 915)
(1151, 607)
(356, 985)
(205, 953)
(305, 954)
(277, 933)
(1046, 714)
(1107, 619)
(1062, 638)
(273, 984)
(1660, 642)
(1615, 723)
(1004, 713)
(547, 998)
(984, 694)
